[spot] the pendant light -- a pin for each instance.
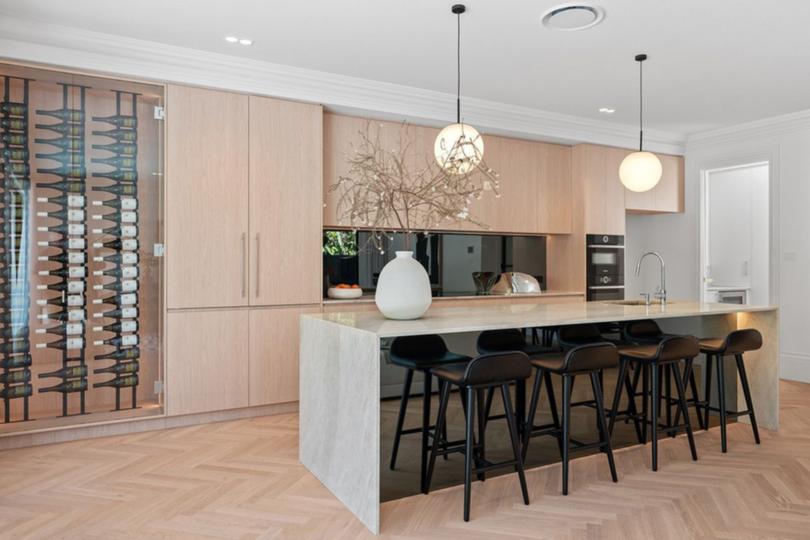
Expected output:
(458, 148)
(640, 171)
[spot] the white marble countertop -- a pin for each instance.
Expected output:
(369, 298)
(477, 318)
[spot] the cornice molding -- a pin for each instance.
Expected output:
(72, 48)
(766, 127)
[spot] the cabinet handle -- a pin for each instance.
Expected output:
(257, 264)
(244, 264)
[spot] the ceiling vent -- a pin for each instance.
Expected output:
(572, 16)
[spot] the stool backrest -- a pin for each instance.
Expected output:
(592, 357)
(491, 341)
(678, 348)
(740, 341)
(498, 368)
(644, 330)
(578, 334)
(416, 347)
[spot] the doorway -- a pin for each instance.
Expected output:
(735, 240)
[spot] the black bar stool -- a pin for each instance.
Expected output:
(647, 332)
(651, 359)
(734, 344)
(486, 371)
(419, 353)
(588, 359)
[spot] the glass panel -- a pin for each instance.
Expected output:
(603, 257)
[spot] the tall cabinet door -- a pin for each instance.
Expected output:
(206, 198)
(286, 209)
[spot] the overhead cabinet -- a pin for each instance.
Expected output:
(595, 169)
(667, 196)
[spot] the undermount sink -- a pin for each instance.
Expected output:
(635, 302)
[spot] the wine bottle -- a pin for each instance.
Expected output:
(23, 390)
(118, 258)
(120, 369)
(14, 124)
(65, 243)
(118, 120)
(72, 144)
(119, 203)
(124, 313)
(71, 300)
(11, 377)
(64, 315)
(66, 171)
(125, 272)
(14, 139)
(13, 228)
(120, 189)
(72, 201)
(126, 286)
(73, 287)
(119, 217)
(122, 149)
(65, 157)
(76, 385)
(128, 244)
(70, 272)
(64, 128)
(119, 382)
(63, 344)
(65, 186)
(76, 229)
(13, 109)
(17, 361)
(17, 332)
(16, 153)
(118, 175)
(68, 372)
(71, 214)
(121, 354)
(118, 300)
(66, 115)
(69, 329)
(15, 346)
(120, 135)
(22, 169)
(72, 257)
(124, 231)
(119, 162)
(118, 328)
(118, 342)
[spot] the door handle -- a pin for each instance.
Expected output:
(244, 264)
(258, 245)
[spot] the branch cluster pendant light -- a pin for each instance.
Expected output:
(640, 171)
(458, 148)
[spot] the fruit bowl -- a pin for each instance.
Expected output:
(344, 293)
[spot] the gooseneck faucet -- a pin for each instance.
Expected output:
(661, 293)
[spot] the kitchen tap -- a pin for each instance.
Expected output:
(661, 293)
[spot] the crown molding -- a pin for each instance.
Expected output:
(67, 47)
(766, 127)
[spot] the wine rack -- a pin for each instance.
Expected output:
(14, 293)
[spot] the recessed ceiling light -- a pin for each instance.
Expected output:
(245, 42)
(606, 110)
(232, 39)
(572, 16)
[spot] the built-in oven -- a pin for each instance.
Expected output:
(739, 296)
(605, 267)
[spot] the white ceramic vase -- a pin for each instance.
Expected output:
(403, 288)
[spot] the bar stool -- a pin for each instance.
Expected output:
(419, 353)
(650, 359)
(734, 344)
(647, 332)
(588, 359)
(484, 372)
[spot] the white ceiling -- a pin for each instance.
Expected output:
(711, 63)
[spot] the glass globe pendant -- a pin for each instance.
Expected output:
(459, 148)
(640, 171)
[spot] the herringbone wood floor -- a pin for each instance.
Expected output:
(242, 480)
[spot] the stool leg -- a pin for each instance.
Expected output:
(482, 426)
(631, 404)
(529, 422)
(403, 407)
(683, 406)
(426, 427)
(617, 395)
(747, 392)
(668, 395)
(604, 434)
(468, 451)
(444, 424)
(513, 436)
(645, 400)
(520, 401)
(552, 403)
(694, 389)
(721, 396)
(654, 414)
(443, 400)
(707, 386)
(488, 407)
(566, 430)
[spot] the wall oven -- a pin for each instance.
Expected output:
(605, 271)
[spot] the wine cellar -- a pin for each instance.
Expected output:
(80, 267)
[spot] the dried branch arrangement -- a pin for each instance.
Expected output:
(382, 191)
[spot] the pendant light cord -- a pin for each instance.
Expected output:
(640, 106)
(458, 70)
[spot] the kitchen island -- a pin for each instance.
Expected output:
(340, 373)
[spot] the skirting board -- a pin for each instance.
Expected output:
(795, 367)
(139, 425)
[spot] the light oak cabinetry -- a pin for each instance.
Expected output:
(595, 170)
(667, 196)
